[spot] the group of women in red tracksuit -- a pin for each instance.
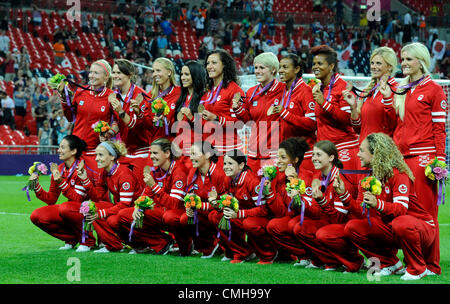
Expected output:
(327, 133)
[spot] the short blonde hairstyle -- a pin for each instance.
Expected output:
(269, 60)
(108, 71)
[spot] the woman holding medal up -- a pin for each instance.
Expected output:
(218, 120)
(332, 111)
(193, 85)
(136, 139)
(258, 107)
(371, 111)
(421, 105)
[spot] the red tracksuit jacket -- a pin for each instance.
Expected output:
(263, 127)
(70, 187)
(298, 117)
(333, 117)
(422, 130)
(169, 190)
(377, 115)
(397, 198)
(121, 183)
(89, 109)
(222, 108)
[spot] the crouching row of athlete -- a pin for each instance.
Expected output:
(334, 223)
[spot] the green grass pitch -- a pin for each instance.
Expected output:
(30, 256)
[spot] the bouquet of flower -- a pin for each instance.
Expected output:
(86, 208)
(436, 170)
(231, 202)
(160, 107)
(101, 127)
(371, 184)
(194, 202)
(313, 81)
(143, 203)
(298, 185)
(56, 80)
(38, 168)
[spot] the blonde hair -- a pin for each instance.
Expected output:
(168, 65)
(119, 148)
(108, 71)
(419, 51)
(269, 60)
(386, 157)
(389, 56)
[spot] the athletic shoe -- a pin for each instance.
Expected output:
(302, 263)
(386, 271)
(166, 248)
(66, 247)
(329, 268)
(430, 273)
(312, 266)
(211, 254)
(410, 277)
(249, 258)
(225, 259)
(83, 248)
(102, 250)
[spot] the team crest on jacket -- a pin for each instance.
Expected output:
(72, 182)
(81, 102)
(444, 104)
(218, 98)
(387, 190)
(402, 189)
(126, 186)
(308, 191)
(179, 184)
(172, 106)
(245, 197)
(291, 105)
(312, 105)
(420, 97)
(344, 155)
(161, 184)
(102, 109)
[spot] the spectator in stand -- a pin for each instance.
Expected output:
(4, 44)
(41, 114)
(162, 43)
(166, 28)
(84, 22)
(7, 104)
(36, 17)
(59, 50)
(94, 24)
(44, 137)
(24, 61)
(199, 25)
(10, 72)
(63, 127)
(20, 101)
(121, 21)
(20, 79)
(289, 25)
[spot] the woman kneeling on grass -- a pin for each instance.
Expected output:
(166, 182)
(64, 179)
(120, 182)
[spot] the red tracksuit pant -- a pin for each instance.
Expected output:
(48, 219)
(281, 230)
(333, 238)
(206, 240)
(237, 245)
(415, 237)
(427, 194)
(259, 239)
(152, 233)
(318, 253)
(374, 240)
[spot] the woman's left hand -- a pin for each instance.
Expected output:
(229, 213)
(370, 199)
(208, 115)
(91, 218)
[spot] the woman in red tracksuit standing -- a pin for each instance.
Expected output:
(372, 112)
(259, 102)
(136, 139)
(332, 111)
(218, 122)
(120, 182)
(64, 180)
(166, 183)
(325, 160)
(420, 133)
(296, 108)
(397, 219)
